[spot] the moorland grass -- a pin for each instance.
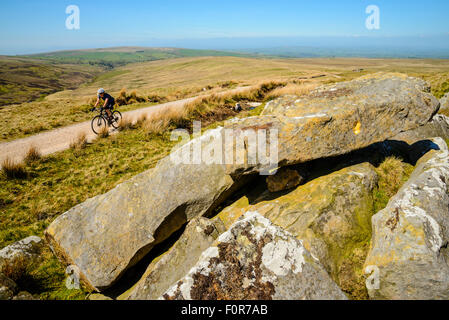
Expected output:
(392, 174)
(13, 170)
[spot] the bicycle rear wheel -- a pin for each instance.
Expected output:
(116, 119)
(98, 124)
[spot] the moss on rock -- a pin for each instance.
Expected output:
(332, 215)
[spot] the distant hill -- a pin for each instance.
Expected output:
(31, 77)
(24, 80)
(119, 56)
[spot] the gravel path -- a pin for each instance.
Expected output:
(49, 142)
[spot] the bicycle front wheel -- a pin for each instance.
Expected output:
(98, 124)
(116, 119)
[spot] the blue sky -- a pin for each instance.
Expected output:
(28, 26)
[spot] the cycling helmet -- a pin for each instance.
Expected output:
(100, 91)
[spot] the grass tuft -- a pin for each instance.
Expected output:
(16, 269)
(126, 124)
(104, 132)
(32, 155)
(80, 142)
(14, 170)
(392, 173)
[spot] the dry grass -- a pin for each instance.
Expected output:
(13, 170)
(298, 89)
(16, 269)
(80, 142)
(162, 120)
(104, 132)
(213, 108)
(391, 173)
(141, 120)
(33, 154)
(126, 124)
(444, 112)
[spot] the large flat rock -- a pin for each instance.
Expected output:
(255, 260)
(107, 234)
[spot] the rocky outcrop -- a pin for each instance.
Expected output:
(368, 92)
(23, 252)
(110, 233)
(409, 258)
(255, 260)
(164, 271)
(340, 118)
(331, 215)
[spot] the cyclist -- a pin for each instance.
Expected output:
(109, 102)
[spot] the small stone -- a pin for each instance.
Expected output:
(5, 293)
(24, 296)
(99, 297)
(284, 179)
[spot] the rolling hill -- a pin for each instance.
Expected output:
(119, 56)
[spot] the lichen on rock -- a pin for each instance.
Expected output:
(409, 257)
(255, 259)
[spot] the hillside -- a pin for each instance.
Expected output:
(174, 79)
(114, 57)
(24, 80)
(32, 77)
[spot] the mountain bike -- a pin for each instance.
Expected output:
(103, 120)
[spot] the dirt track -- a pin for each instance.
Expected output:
(49, 142)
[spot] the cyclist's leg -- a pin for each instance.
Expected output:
(108, 109)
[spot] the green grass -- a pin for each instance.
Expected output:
(392, 173)
(57, 183)
(47, 279)
(441, 90)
